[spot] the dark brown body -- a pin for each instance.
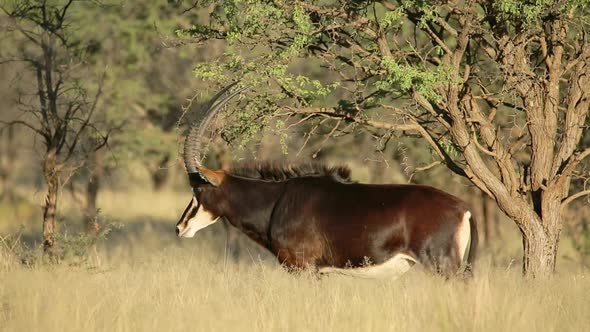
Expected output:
(317, 221)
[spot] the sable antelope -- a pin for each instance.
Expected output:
(313, 216)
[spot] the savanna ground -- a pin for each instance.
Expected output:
(142, 278)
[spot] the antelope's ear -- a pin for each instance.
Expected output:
(213, 177)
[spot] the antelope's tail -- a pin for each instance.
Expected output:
(473, 241)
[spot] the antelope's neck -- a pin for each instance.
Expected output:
(250, 204)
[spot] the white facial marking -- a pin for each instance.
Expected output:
(463, 236)
(202, 219)
(392, 268)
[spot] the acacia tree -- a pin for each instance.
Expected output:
(58, 108)
(498, 89)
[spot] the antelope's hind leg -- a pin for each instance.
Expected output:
(448, 256)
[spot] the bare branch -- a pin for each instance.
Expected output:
(578, 103)
(441, 117)
(23, 123)
(437, 40)
(573, 197)
(335, 114)
(330, 134)
(309, 134)
(422, 169)
(570, 165)
(87, 119)
(481, 148)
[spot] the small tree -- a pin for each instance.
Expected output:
(498, 89)
(58, 107)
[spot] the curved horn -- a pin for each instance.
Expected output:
(192, 143)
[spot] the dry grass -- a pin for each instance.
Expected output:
(8, 256)
(144, 279)
(178, 290)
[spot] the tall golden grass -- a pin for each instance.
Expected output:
(145, 279)
(176, 290)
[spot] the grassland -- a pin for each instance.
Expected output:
(145, 279)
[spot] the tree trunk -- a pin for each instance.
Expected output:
(92, 189)
(540, 225)
(8, 156)
(52, 180)
(540, 253)
(495, 216)
(161, 174)
(541, 236)
(485, 212)
(481, 209)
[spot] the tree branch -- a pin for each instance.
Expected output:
(23, 123)
(422, 169)
(573, 197)
(335, 114)
(570, 165)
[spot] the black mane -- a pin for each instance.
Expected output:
(278, 171)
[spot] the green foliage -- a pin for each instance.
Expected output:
(73, 249)
(267, 40)
(427, 10)
(283, 136)
(257, 17)
(301, 20)
(450, 148)
(211, 71)
(248, 121)
(308, 89)
(407, 77)
(393, 18)
(531, 12)
(197, 30)
(76, 249)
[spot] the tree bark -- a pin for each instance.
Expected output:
(540, 252)
(52, 180)
(541, 233)
(540, 227)
(92, 189)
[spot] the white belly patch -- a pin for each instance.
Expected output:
(391, 268)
